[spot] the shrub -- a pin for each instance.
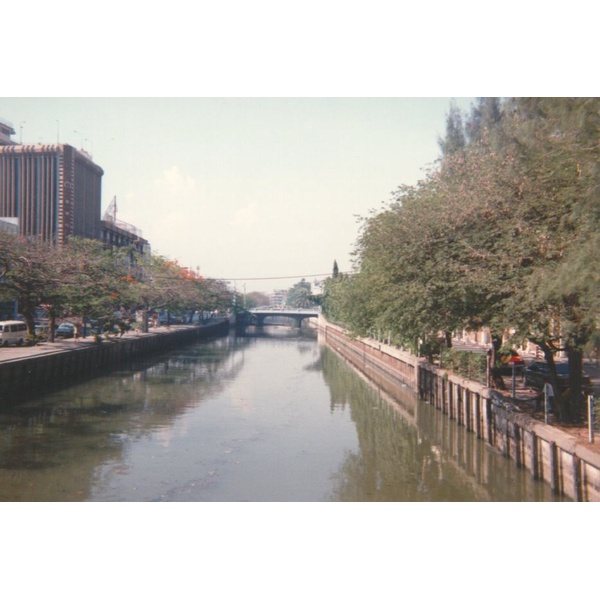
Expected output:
(471, 365)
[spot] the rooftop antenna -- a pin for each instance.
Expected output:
(111, 212)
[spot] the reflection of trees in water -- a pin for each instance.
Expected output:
(386, 464)
(212, 363)
(415, 455)
(50, 447)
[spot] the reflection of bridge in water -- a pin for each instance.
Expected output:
(259, 315)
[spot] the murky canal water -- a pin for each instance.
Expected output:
(272, 417)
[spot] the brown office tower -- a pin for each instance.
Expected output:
(53, 191)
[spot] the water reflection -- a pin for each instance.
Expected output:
(272, 415)
(50, 446)
(408, 451)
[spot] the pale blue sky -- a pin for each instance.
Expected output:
(245, 187)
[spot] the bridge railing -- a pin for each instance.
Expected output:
(280, 311)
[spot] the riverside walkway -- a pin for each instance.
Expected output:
(26, 369)
(10, 353)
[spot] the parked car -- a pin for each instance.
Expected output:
(42, 329)
(65, 330)
(12, 332)
(537, 374)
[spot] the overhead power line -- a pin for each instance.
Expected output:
(278, 277)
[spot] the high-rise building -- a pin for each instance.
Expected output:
(54, 190)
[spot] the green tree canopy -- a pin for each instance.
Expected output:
(299, 295)
(501, 233)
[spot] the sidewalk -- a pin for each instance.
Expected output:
(9, 353)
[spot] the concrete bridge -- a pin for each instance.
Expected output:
(297, 314)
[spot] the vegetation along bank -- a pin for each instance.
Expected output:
(502, 234)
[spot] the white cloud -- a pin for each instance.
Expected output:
(174, 182)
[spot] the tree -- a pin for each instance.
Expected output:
(79, 278)
(255, 299)
(336, 270)
(499, 234)
(30, 274)
(558, 160)
(454, 140)
(16, 283)
(484, 121)
(82, 279)
(300, 296)
(97, 284)
(156, 283)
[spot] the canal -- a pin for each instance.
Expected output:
(273, 415)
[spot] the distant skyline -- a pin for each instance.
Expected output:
(263, 191)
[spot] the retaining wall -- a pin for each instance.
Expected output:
(370, 355)
(28, 375)
(570, 468)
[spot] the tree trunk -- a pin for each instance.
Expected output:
(51, 325)
(559, 403)
(28, 313)
(575, 391)
(448, 338)
(497, 380)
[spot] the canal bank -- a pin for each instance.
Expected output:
(569, 465)
(25, 370)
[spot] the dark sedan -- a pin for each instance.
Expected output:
(65, 330)
(537, 374)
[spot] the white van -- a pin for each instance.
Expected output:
(12, 332)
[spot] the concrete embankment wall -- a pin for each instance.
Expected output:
(33, 373)
(549, 454)
(370, 355)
